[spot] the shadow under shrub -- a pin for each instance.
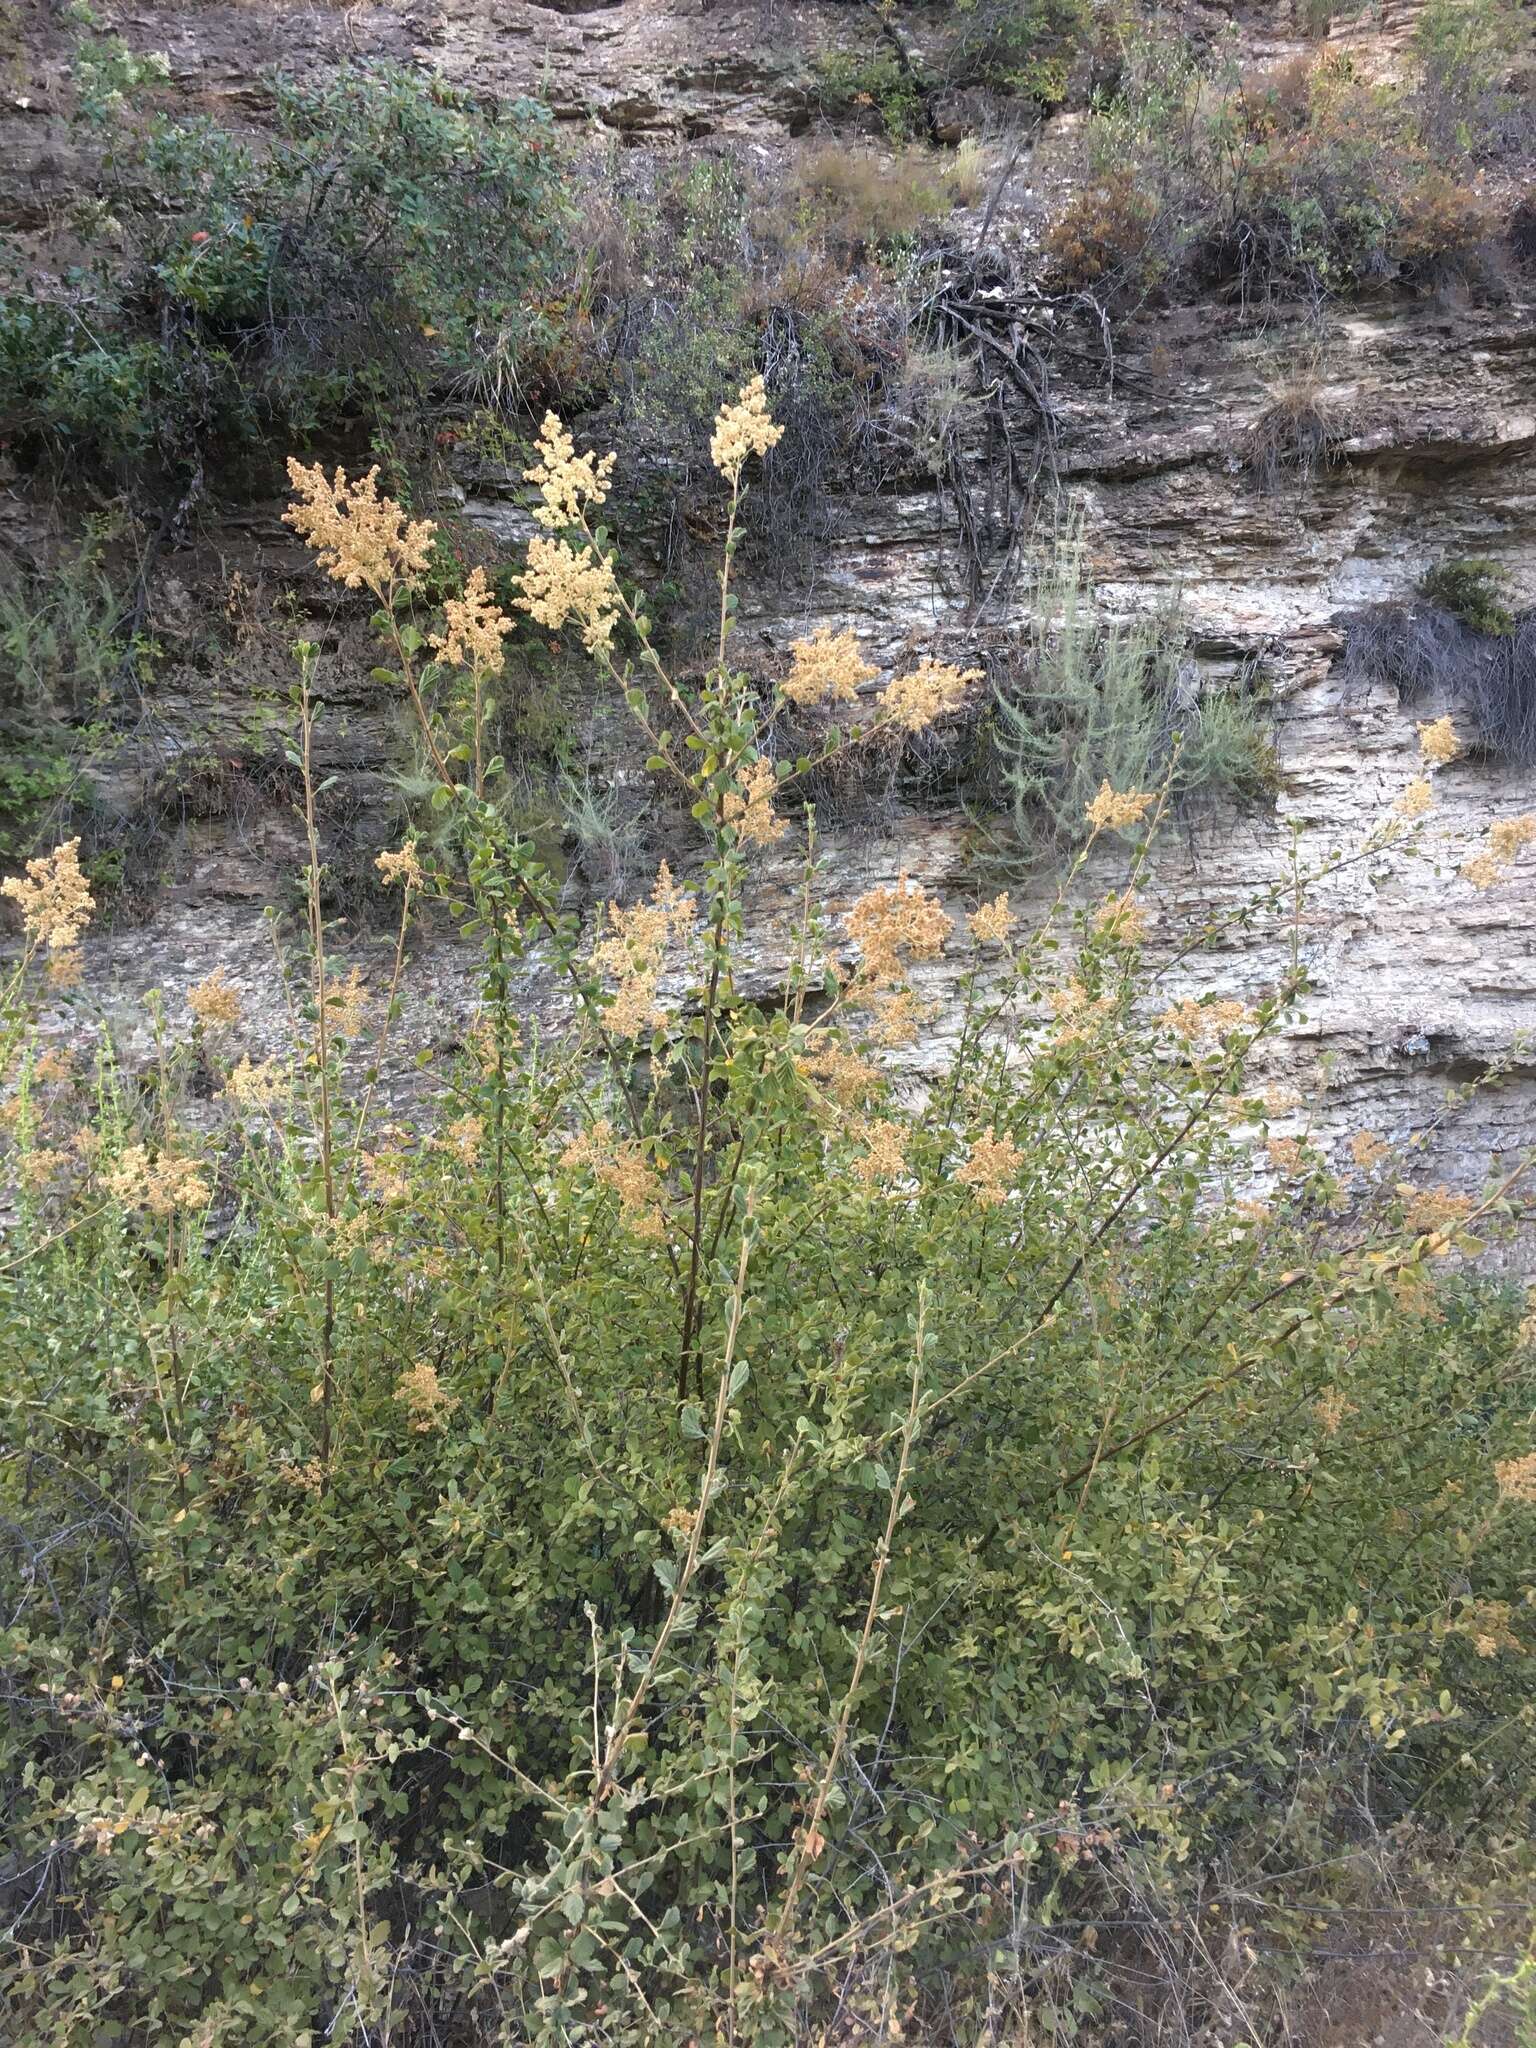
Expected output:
(685, 1539)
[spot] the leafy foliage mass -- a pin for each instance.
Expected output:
(385, 239)
(1024, 49)
(685, 1540)
(1475, 589)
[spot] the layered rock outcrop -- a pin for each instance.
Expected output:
(1421, 983)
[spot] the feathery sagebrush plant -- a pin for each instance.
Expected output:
(1089, 699)
(688, 1540)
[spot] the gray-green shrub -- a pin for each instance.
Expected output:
(1086, 698)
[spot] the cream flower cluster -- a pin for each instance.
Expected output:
(566, 481)
(991, 1168)
(933, 689)
(1114, 810)
(562, 582)
(889, 923)
(215, 1001)
(476, 626)
(401, 866)
(1507, 838)
(742, 429)
(749, 807)
(54, 898)
(359, 538)
(1438, 743)
(163, 1186)
(828, 669)
(623, 1167)
(992, 922)
(634, 949)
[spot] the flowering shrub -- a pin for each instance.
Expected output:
(687, 1540)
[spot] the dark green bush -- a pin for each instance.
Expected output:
(846, 82)
(1475, 589)
(1027, 47)
(380, 245)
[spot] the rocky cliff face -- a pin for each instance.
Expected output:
(1421, 983)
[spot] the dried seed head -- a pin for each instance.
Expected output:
(1438, 744)
(1121, 919)
(991, 1168)
(475, 627)
(749, 807)
(991, 924)
(828, 669)
(1115, 810)
(933, 689)
(887, 924)
(567, 482)
(884, 1158)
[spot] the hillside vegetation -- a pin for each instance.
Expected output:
(859, 1473)
(681, 1540)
